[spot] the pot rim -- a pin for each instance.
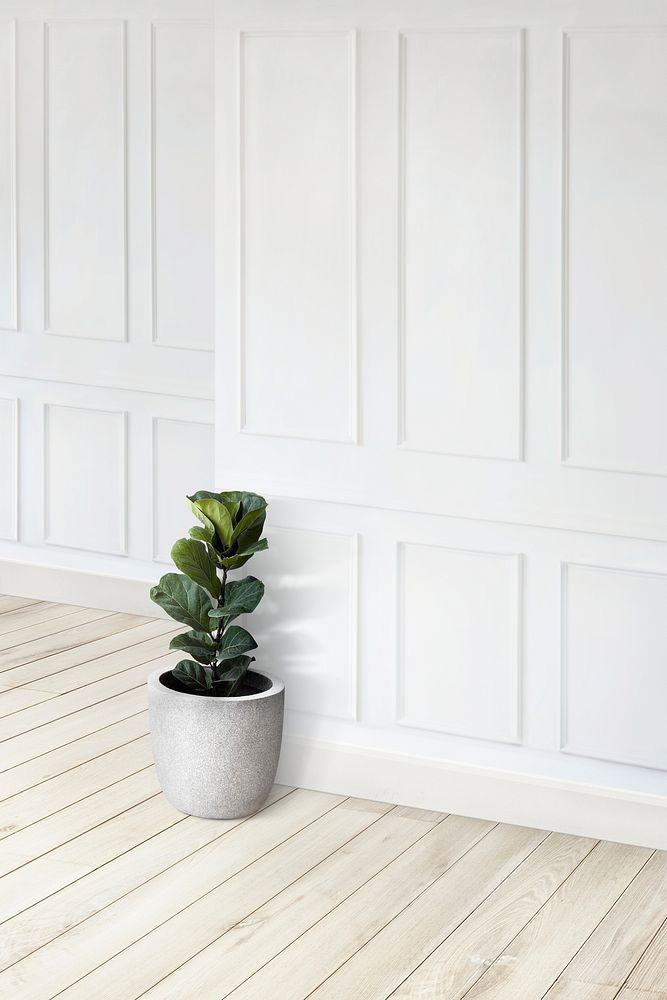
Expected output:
(277, 686)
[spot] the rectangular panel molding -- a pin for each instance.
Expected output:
(461, 191)
(182, 464)
(459, 641)
(85, 239)
(306, 625)
(85, 478)
(298, 305)
(9, 431)
(8, 227)
(614, 682)
(182, 183)
(615, 249)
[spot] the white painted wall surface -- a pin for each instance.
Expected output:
(442, 352)
(106, 287)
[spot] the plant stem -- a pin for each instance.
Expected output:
(221, 624)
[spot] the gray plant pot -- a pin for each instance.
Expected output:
(216, 757)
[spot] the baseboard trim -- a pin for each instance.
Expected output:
(73, 586)
(467, 790)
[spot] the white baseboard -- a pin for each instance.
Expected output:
(468, 790)
(73, 586)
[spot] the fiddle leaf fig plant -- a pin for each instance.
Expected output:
(201, 597)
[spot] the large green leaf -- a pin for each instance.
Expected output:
(193, 675)
(234, 562)
(183, 600)
(241, 597)
(209, 528)
(250, 526)
(199, 645)
(235, 640)
(235, 669)
(193, 559)
(202, 534)
(250, 550)
(220, 518)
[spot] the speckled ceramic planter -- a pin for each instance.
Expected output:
(216, 757)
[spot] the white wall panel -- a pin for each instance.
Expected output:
(85, 221)
(459, 641)
(615, 652)
(306, 625)
(182, 464)
(8, 264)
(8, 467)
(616, 249)
(85, 478)
(461, 254)
(298, 309)
(182, 177)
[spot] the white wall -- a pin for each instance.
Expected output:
(106, 286)
(441, 351)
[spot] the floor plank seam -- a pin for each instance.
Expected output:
(602, 918)
(70, 743)
(125, 894)
(445, 817)
(67, 715)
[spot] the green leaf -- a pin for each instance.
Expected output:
(241, 597)
(219, 517)
(202, 534)
(234, 562)
(207, 495)
(235, 640)
(254, 518)
(193, 675)
(255, 547)
(199, 645)
(233, 674)
(192, 558)
(209, 527)
(183, 600)
(233, 508)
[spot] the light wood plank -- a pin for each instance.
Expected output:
(56, 734)
(305, 964)
(74, 701)
(235, 953)
(380, 964)
(537, 956)
(44, 630)
(631, 994)
(650, 973)
(38, 671)
(55, 966)
(97, 628)
(464, 955)
(124, 852)
(36, 803)
(142, 964)
(582, 991)
(618, 942)
(16, 699)
(60, 827)
(55, 762)
(106, 666)
(34, 614)
(14, 603)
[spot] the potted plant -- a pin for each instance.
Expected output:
(216, 725)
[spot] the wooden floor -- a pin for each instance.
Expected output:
(109, 892)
